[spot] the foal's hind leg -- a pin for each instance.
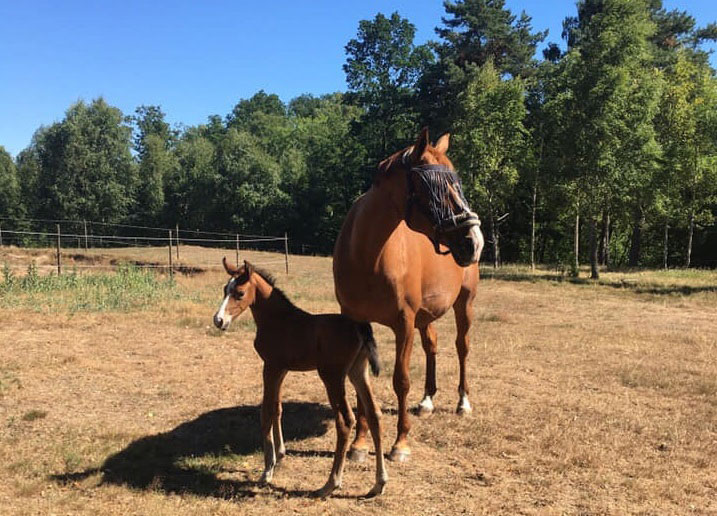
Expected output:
(335, 382)
(359, 447)
(463, 310)
(272, 382)
(429, 340)
(360, 379)
(279, 448)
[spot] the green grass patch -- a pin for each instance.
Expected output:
(129, 288)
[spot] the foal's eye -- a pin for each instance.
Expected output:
(238, 294)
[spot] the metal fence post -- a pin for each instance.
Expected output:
(171, 272)
(84, 222)
(0, 235)
(176, 240)
(59, 260)
(237, 249)
(286, 251)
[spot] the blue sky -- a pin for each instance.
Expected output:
(197, 58)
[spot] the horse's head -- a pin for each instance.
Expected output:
(434, 201)
(239, 294)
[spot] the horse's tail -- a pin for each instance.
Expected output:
(366, 335)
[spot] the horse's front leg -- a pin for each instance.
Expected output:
(429, 340)
(401, 386)
(272, 379)
(463, 310)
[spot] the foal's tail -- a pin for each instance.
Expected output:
(366, 335)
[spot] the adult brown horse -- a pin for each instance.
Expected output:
(407, 252)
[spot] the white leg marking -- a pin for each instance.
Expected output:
(464, 406)
(426, 404)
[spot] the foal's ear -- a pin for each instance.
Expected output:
(231, 270)
(248, 269)
(420, 146)
(442, 143)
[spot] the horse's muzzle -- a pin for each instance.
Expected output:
(218, 322)
(466, 244)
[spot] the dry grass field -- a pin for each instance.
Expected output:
(589, 398)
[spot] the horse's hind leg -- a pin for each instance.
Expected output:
(335, 382)
(429, 340)
(463, 310)
(360, 379)
(272, 381)
(359, 447)
(402, 384)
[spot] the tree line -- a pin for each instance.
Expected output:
(603, 151)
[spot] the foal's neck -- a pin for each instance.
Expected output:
(269, 303)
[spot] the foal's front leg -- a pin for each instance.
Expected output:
(272, 383)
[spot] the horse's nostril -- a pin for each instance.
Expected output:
(218, 321)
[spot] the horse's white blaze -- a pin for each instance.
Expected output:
(223, 314)
(477, 236)
(426, 404)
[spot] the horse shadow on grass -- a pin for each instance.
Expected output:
(189, 458)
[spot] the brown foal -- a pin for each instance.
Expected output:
(290, 339)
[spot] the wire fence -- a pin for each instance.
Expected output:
(142, 245)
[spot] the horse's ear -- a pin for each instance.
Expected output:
(248, 268)
(443, 142)
(420, 146)
(231, 270)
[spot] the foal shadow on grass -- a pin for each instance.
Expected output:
(189, 458)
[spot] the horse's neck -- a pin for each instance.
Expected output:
(268, 304)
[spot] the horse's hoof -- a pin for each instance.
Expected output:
(424, 411)
(324, 491)
(377, 490)
(464, 411)
(358, 454)
(399, 455)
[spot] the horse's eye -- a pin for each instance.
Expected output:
(238, 294)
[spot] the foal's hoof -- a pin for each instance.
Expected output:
(358, 454)
(399, 454)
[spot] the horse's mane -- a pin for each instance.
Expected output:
(280, 294)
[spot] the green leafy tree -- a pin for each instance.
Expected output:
(10, 200)
(382, 67)
(474, 32)
(86, 168)
(489, 139)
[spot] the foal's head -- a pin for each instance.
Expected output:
(239, 294)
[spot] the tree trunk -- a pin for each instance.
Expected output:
(604, 249)
(635, 245)
(664, 246)
(532, 226)
(496, 243)
(594, 272)
(690, 233)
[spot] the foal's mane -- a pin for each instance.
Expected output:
(269, 278)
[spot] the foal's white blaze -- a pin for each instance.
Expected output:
(223, 314)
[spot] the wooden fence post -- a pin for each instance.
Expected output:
(171, 272)
(286, 251)
(176, 240)
(59, 260)
(237, 249)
